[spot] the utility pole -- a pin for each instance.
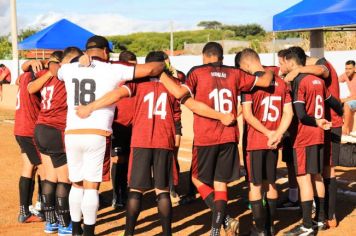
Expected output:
(171, 46)
(15, 52)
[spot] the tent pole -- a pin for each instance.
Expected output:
(317, 43)
(274, 47)
(43, 57)
(15, 52)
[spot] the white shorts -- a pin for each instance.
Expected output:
(85, 156)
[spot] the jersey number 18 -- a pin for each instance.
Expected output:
(84, 91)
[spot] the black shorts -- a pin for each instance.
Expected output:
(50, 142)
(308, 160)
(178, 127)
(120, 140)
(216, 163)
(261, 166)
(145, 161)
(27, 145)
(332, 146)
(287, 149)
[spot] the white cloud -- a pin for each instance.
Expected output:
(4, 17)
(107, 24)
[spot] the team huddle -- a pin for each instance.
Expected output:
(77, 111)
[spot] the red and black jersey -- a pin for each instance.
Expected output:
(218, 87)
(267, 107)
(154, 115)
(53, 104)
(332, 84)
(125, 111)
(27, 107)
(311, 91)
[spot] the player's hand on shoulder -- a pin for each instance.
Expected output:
(291, 75)
(228, 119)
(324, 124)
(36, 65)
(85, 60)
(83, 111)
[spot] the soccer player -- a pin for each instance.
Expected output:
(323, 69)
(5, 77)
(85, 139)
(309, 95)
(121, 138)
(215, 161)
(268, 113)
(27, 109)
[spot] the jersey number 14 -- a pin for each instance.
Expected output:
(159, 108)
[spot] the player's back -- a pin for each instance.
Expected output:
(153, 120)
(267, 107)
(87, 84)
(311, 91)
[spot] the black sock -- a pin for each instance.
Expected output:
(133, 210)
(330, 197)
(89, 230)
(62, 194)
(258, 214)
(271, 212)
(122, 169)
(31, 192)
(209, 201)
(164, 206)
(49, 200)
(319, 207)
(24, 191)
(307, 207)
(218, 217)
(77, 228)
(114, 181)
(39, 190)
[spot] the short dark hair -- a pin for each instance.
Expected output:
(127, 56)
(56, 56)
(214, 49)
(350, 62)
(249, 52)
(2, 65)
(297, 54)
(155, 56)
(237, 59)
(72, 50)
(282, 53)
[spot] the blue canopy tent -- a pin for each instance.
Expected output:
(58, 36)
(316, 14)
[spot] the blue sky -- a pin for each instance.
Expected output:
(110, 17)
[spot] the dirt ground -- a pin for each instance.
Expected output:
(191, 219)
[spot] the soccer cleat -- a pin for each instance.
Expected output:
(353, 134)
(232, 228)
(30, 218)
(288, 205)
(51, 228)
(331, 223)
(348, 139)
(299, 230)
(63, 231)
(319, 226)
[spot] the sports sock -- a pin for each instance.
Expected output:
(75, 203)
(49, 200)
(90, 205)
(62, 195)
(258, 214)
(271, 212)
(293, 194)
(89, 230)
(24, 191)
(164, 206)
(133, 210)
(207, 194)
(39, 189)
(77, 228)
(220, 203)
(122, 169)
(307, 207)
(31, 192)
(330, 197)
(319, 207)
(114, 181)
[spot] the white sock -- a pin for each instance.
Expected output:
(90, 205)
(293, 194)
(75, 203)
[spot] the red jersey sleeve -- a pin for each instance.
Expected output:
(288, 97)
(299, 92)
(245, 82)
(191, 82)
(131, 87)
(246, 98)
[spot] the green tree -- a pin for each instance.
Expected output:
(5, 48)
(210, 24)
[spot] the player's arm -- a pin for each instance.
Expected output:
(335, 105)
(36, 66)
(204, 110)
(317, 70)
(108, 99)
(37, 84)
(177, 90)
(264, 77)
(253, 121)
(286, 120)
(149, 69)
(305, 119)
